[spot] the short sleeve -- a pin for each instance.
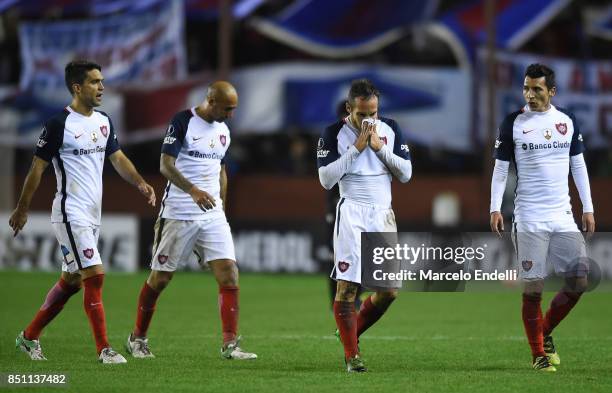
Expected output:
(175, 135)
(327, 145)
(112, 144)
(50, 140)
(577, 146)
(504, 144)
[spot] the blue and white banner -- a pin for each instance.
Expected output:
(433, 106)
(147, 46)
(600, 24)
(583, 87)
(344, 28)
(516, 21)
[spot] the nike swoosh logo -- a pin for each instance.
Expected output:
(197, 139)
(94, 304)
(528, 131)
(78, 136)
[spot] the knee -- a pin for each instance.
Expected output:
(346, 291)
(159, 280)
(576, 285)
(72, 280)
(386, 298)
(226, 273)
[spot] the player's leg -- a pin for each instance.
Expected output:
(226, 274)
(373, 308)
(563, 302)
(58, 295)
(377, 304)
(215, 246)
(137, 343)
(173, 242)
(531, 244)
(567, 253)
(147, 300)
(350, 220)
(82, 243)
(346, 321)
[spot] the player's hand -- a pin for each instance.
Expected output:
(588, 222)
(18, 220)
(204, 200)
(363, 138)
(375, 142)
(148, 191)
(497, 223)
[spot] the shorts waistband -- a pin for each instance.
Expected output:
(365, 204)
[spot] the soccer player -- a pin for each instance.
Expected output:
(77, 141)
(192, 217)
(360, 152)
(544, 142)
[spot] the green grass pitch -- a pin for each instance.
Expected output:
(428, 342)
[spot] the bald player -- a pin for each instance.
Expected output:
(192, 217)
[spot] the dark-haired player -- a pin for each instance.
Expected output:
(545, 143)
(77, 141)
(361, 153)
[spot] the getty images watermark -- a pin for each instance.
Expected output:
(460, 261)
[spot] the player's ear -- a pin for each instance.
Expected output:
(76, 88)
(348, 107)
(553, 91)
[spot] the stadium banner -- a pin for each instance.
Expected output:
(328, 28)
(430, 105)
(583, 87)
(483, 261)
(36, 247)
(464, 27)
(143, 46)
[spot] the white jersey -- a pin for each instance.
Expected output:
(368, 180)
(199, 148)
(77, 145)
(540, 144)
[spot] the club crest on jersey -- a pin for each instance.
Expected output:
(162, 259)
(104, 131)
(384, 139)
(562, 128)
(88, 252)
(94, 137)
(547, 134)
(223, 139)
(527, 265)
(343, 266)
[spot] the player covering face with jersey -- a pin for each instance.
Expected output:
(362, 153)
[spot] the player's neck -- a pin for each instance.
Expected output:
(544, 109)
(81, 108)
(201, 112)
